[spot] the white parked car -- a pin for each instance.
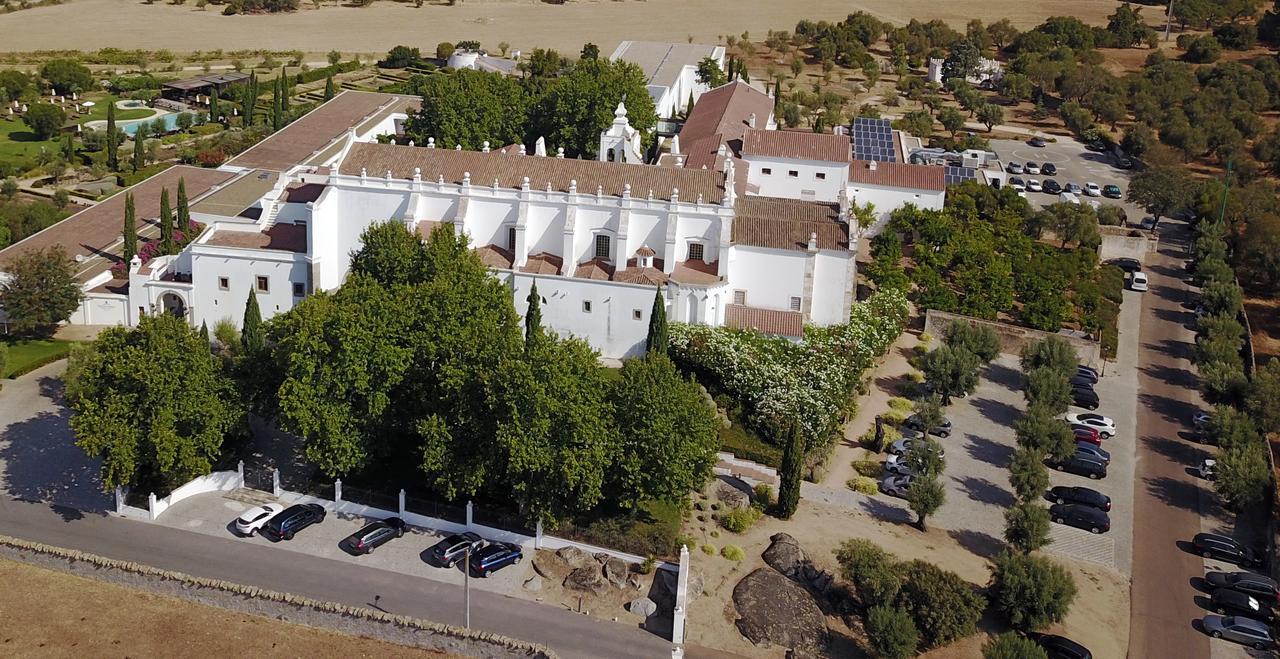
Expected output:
(896, 486)
(1031, 168)
(256, 517)
(1092, 190)
(1138, 282)
(1014, 168)
(1034, 185)
(1207, 468)
(901, 447)
(1105, 425)
(896, 465)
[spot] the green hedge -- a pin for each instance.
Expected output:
(323, 72)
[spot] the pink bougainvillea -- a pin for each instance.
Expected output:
(151, 248)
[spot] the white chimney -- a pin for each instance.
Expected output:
(813, 241)
(871, 165)
(751, 120)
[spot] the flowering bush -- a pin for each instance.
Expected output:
(151, 248)
(778, 381)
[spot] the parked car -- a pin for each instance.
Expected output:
(1014, 168)
(1138, 282)
(1242, 630)
(1034, 185)
(1059, 647)
(1263, 588)
(449, 551)
(254, 518)
(1124, 163)
(1147, 223)
(1031, 168)
(1229, 602)
(1096, 145)
(1049, 169)
(1112, 192)
(1207, 469)
(1080, 466)
(1072, 188)
(1037, 142)
(1088, 373)
(1017, 183)
(1080, 516)
(1105, 425)
(1086, 398)
(1083, 380)
(1050, 186)
(292, 520)
(896, 486)
(897, 465)
(1221, 547)
(1201, 419)
(1084, 496)
(494, 557)
(375, 534)
(944, 430)
(1093, 451)
(1084, 387)
(1087, 434)
(1127, 264)
(1092, 189)
(902, 446)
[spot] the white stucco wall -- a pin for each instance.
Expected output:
(771, 277)
(241, 267)
(887, 200)
(611, 326)
(830, 273)
(805, 185)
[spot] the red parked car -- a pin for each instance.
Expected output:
(1086, 434)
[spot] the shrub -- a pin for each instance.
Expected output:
(1012, 646)
(872, 570)
(646, 566)
(863, 485)
(741, 519)
(732, 552)
(1027, 526)
(1204, 49)
(763, 495)
(891, 633)
(869, 468)
(709, 549)
(943, 606)
(900, 404)
(1031, 591)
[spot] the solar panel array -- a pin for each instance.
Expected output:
(956, 174)
(873, 140)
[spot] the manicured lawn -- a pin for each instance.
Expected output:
(23, 354)
(18, 142)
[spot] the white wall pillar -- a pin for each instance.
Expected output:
(151, 506)
(470, 507)
(275, 482)
(337, 490)
(401, 501)
(240, 474)
(682, 598)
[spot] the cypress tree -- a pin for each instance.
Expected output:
(68, 148)
(139, 139)
(184, 211)
(204, 331)
(328, 87)
(112, 163)
(657, 340)
(275, 107)
(251, 336)
(250, 98)
(284, 92)
(166, 223)
(792, 464)
(130, 230)
(688, 108)
(533, 318)
(215, 113)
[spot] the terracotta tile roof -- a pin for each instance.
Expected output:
(696, 272)
(726, 111)
(114, 287)
(95, 231)
(377, 159)
(425, 227)
(636, 275)
(702, 153)
(645, 250)
(898, 175)
(543, 263)
(303, 193)
(283, 237)
(494, 256)
(769, 321)
(779, 223)
(297, 142)
(798, 145)
(598, 269)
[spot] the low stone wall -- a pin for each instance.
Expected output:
(1117, 243)
(1012, 337)
(272, 604)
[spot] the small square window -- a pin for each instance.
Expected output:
(739, 297)
(224, 284)
(264, 285)
(793, 173)
(696, 251)
(821, 176)
(299, 289)
(586, 306)
(766, 171)
(795, 304)
(602, 247)
(636, 314)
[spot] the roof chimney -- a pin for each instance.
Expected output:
(751, 120)
(871, 165)
(813, 241)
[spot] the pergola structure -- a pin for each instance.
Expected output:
(185, 90)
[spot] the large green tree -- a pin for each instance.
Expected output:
(252, 334)
(951, 372)
(469, 108)
(1027, 526)
(790, 474)
(390, 254)
(153, 404)
(41, 290)
(578, 106)
(1264, 396)
(925, 496)
(533, 332)
(1041, 431)
(1031, 591)
(891, 633)
(874, 572)
(1049, 388)
(1161, 189)
(130, 231)
(1010, 645)
(44, 120)
(1051, 351)
(113, 142)
(943, 606)
(67, 75)
(183, 221)
(139, 147)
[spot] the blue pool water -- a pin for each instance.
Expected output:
(170, 123)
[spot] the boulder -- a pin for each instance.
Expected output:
(574, 557)
(586, 579)
(642, 606)
(634, 582)
(533, 584)
(787, 557)
(773, 610)
(616, 571)
(540, 565)
(729, 495)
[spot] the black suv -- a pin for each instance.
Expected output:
(449, 551)
(1263, 588)
(293, 519)
(1085, 397)
(1080, 495)
(1080, 516)
(1214, 545)
(1079, 465)
(1235, 603)
(1059, 647)
(375, 534)
(1050, 186)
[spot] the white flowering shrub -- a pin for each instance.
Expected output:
(778, 380)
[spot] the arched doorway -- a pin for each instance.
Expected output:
(171, 303)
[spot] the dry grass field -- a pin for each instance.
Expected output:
(52, 614)
(525, 24)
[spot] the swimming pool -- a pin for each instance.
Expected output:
(170, 122)
(131, 104)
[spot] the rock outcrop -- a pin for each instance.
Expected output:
(787, 557)
(772, 610)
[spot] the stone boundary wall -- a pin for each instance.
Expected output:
(332, 616)
(1117, 243)
(1012, 337)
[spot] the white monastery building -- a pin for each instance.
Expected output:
(670, 70)
(747, 226)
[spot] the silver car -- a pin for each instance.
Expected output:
(1245, 631)
(897, 486)
(902, 446)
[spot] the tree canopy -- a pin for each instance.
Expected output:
(41, 291)
(44, 119)
(67, 75)
(470, 108)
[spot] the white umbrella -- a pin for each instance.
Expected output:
(88, 104)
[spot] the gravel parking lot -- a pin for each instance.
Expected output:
(1075, 164)
(214, 513)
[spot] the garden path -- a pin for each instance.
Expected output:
(890, 372)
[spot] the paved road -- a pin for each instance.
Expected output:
(1166, 497)
(198, 554)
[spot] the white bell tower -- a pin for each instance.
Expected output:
(620, 142)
